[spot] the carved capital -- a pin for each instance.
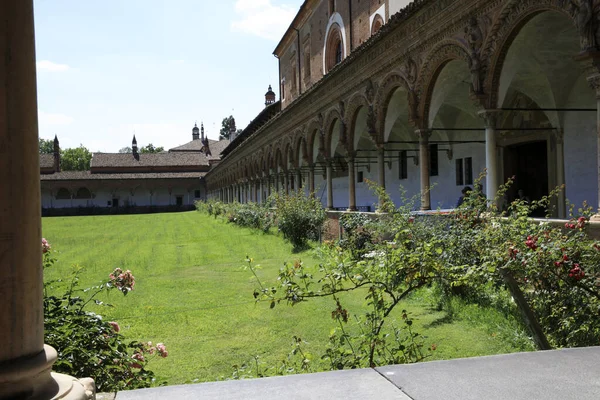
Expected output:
(594, 82)
(490, 117)
(424, 135)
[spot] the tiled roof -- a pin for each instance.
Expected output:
(216, 148)
(87, 175)
(46, 160)
(126, 160)
(194, 145)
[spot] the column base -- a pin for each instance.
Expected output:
(595, 217)
(350, 209)
(31, 378)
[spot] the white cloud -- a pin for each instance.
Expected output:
(46, 119)
(51, 66)
(262, 18)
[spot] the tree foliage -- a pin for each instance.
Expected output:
(150, 149)
(125, 150)
(228, 126)
(46, 146)
(75, 159)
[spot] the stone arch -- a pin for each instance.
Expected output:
(513, 17)
(290, 161)
(328, 126)
(313, 134)
(441, 54)
(83, 193)
(392, 82)
(301, 151)
(63, 194)
(356, 103)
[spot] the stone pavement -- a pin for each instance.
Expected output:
(550, 375)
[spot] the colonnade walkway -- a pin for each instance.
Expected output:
(548, 375)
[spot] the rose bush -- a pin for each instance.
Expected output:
(87, 345)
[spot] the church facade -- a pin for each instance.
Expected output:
(427, 95)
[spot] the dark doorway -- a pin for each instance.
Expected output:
(179, 200)
(528, 163)
(115, 203)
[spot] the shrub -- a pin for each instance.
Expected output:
(299, 218)
(87, 345)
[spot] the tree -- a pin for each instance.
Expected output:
(46, 146)
(126, 150)
(228, 126)
(76, 159)
(149, 149)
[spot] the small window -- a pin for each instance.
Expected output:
(359, 177)
(433, 160)
(459, 172)
(468, 171)
(283, 89)
(403, 168)
(197, 194)
(464, 171)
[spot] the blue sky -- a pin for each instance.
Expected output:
(107, 69)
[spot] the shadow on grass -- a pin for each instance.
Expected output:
(446, 319)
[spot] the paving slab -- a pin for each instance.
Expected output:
(363, 384)
(548, 375)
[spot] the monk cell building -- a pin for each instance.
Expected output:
(426, 95)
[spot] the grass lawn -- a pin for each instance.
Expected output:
(192, 294)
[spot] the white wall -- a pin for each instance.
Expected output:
(581, 148)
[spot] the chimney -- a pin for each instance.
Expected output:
(202, 130)
(56, 155)
(269, 96)
(195, 132)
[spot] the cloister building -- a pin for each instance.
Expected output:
(131, 180)
(427, 95)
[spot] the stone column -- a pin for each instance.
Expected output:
(424, 135)
(351, 184)
(329, 170)
(491, 153)
(261, 188)
(381, 164)
(299, 179)
(286, 182)
(25, 362)
(311, 179)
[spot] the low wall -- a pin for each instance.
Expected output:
(334, 231)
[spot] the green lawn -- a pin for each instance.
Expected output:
(192, 294)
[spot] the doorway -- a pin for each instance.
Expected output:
(528, 164)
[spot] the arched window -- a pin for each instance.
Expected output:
(83, 193)
(63, 194)
(377, 24)
(335, 49)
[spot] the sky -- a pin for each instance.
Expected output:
(107, 70)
